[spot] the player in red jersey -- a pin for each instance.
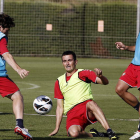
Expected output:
(7, 87)
(75, 99)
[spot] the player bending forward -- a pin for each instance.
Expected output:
(7, 87)
(74, 98)
(129, 79)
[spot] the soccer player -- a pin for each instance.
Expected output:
(130, 78)
(74, 98)
(7, 87)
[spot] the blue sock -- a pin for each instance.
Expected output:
(137, 107)
(109, 130)
(19, 122)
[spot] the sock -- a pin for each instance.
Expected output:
(137, 107)
(139, 125)
(109, 130)
(19, 122)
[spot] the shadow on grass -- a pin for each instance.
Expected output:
(39, 138)
(18, 137)
(5, 113)
(122, 134)
(46, 138)
(6, 129)
(52, 138)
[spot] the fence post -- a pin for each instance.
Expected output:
(2, 6)
(83, 30)
(138, 17)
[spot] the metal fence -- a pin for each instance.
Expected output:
(88, 27)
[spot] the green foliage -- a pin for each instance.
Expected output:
(74, 27)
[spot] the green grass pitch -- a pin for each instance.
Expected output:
(122, 118)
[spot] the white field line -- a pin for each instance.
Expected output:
(33, 86)
(133, 120)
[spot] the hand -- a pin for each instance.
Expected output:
(53, 133)
(23, 73)
(120, 45)
(98, 72)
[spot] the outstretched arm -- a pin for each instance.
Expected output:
(59, 115)
(121, 46)
(100, 78)
(10, 60)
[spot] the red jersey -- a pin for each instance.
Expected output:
(3, 46)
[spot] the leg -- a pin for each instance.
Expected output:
(76, 131)
(76, 125)
(94, 110)
(18, 106)
(137, 134)
(18, 109)
(77, 121)
(121, 90)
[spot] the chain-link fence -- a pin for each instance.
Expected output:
(88, 27)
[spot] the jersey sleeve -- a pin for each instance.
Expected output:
(87, 76)
(3, 46)
(57, 92)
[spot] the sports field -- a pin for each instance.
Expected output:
(122, 118)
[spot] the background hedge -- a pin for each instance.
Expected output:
(74, 28)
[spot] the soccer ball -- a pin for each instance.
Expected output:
(42, 104)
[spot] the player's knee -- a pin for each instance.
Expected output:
(119, 91)
(17, 96)
(74, 133)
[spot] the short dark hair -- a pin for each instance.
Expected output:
(69, 53)
(6, 21)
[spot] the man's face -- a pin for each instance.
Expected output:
(69, 63)
(4, 30)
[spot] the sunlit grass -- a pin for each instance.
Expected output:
(43, 73)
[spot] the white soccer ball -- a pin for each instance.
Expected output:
(42, 104)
